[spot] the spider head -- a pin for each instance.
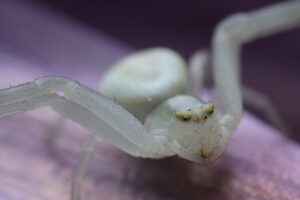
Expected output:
(190, 122)
(198, 130)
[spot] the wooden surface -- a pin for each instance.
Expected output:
(258, 164)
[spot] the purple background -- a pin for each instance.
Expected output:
(270, 65)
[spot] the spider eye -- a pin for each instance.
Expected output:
(210, 109)
(209, 112)
(183, 116)
(186, 117)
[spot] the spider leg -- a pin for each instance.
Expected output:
(262, 103)
(76, 113)
(82, 116)
(86, 107)
(82, 165)
(196, 71)
(228, 39)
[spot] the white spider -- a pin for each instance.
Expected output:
(146, 113)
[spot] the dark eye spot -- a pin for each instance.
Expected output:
(210, 112)
(186, 118)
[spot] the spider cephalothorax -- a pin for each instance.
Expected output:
(191, 123)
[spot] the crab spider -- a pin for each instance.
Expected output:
(142, 108)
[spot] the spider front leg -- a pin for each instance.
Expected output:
(90, 109)
(84, 106)
(228, 39)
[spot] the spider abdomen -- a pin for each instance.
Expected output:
(141, 81)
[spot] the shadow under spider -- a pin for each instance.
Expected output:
(168, 178)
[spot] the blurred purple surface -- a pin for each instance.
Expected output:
(35, 42)
(270, 65)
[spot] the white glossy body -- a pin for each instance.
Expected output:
(141, 81)
(149, 84)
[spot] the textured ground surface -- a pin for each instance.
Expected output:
(259, 163)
